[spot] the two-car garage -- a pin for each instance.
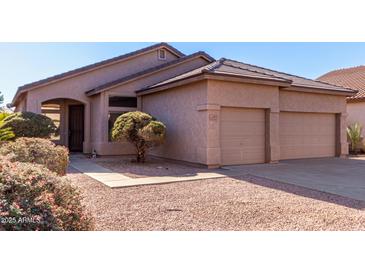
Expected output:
(231, 113)
(301, 135)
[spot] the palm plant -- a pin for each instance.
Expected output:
(6, 134)
(354, 135)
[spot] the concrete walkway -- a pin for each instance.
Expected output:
(344, 177)
(115, 180)
(97, 172)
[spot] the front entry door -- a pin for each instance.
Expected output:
(76, 128)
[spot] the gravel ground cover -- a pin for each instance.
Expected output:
(152, 167)
(244, 203)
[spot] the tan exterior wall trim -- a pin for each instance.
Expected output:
(208, 107)
(179, 83)
(317, 90)
(213, 76)
(229, 77)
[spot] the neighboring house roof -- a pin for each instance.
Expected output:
(353, 78)
(234, 68)
(95, 66)
(137, 75)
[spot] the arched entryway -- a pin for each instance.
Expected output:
(69, 116)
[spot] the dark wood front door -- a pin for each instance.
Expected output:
(76, 127)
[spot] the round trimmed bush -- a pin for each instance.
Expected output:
(140, 129)
(34, 198)
(29, 124)
(38, 151)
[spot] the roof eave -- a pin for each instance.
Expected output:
(246, 79)
(206, 74)
(188, 80)
(311, 89)
(94, 66)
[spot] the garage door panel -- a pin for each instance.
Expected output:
(235, 114)
(242, 136)
(234, 157)
(307, 135)
(247, 127)
(293, 152)
(246, 141)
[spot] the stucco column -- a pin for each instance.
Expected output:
(211, 152)
(63, 123)
(87, 129)
(272, 143)
(342, 146)
(139, 103)
(34, 105)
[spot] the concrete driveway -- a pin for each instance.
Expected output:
(345, 177)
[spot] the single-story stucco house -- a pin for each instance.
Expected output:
(217, 112)
(353, 78)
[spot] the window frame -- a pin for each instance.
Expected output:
(116, 110)
(110, 96)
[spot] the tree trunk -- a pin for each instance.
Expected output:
(141, 154)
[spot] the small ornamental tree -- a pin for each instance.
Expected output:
(29, 124)
(140, 129)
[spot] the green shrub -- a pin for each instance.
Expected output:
(29, 124)
(38, 151)
(354, 135)
(6, 133)
(140, 129)
(34, 198)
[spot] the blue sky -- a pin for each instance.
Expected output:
(22, 63)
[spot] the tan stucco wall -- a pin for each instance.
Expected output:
(96, 108)
(22, 104)
(99, 132)
(186, 137)
(129, 88)
(311, 102)
(356, 113)
(75, 87)
(103, 146)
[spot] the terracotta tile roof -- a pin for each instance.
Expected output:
(231, 67)
(148, 71)
(297, 81)
(353, 78)
(95, 65)
(221, 67)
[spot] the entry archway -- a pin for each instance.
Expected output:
(72, 119)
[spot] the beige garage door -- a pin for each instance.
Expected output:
(242, 136)
(307, 135)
